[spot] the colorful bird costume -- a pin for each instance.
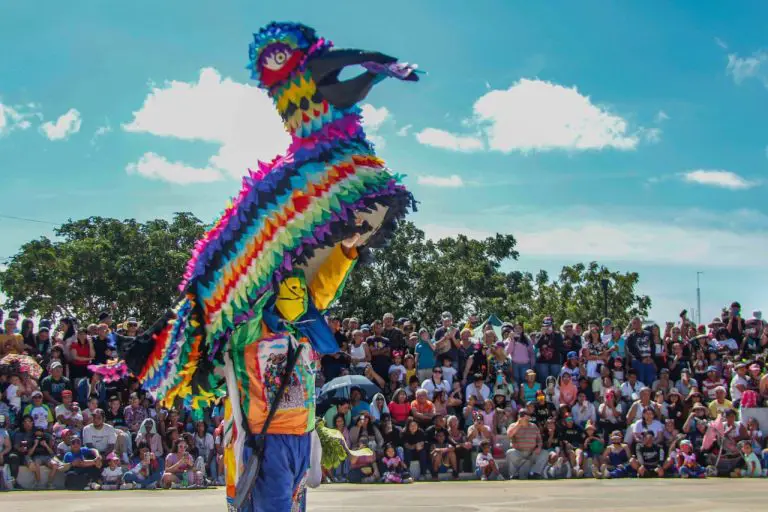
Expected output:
(258, 283)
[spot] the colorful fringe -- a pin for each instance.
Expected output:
(285, 211)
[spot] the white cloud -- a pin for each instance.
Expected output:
(652, 242)
(154, 166)
(65, 125)
(402, 132)
(535, 115)
(661, 116)
(447, 140)
(100, 132)
(722, 44)
(14, 118)
(742, 68)
(373, 119)
(240, 118)
(718, 178)
(452, 181)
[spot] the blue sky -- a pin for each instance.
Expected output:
(629, 133)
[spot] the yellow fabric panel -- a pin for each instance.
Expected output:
(330, 277)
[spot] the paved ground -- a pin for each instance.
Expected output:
(621, 495)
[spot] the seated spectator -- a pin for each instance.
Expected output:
(134, 414)
(148, 435)
(399, 407)
(435, 383)
(647, 423)
(179, 468)
(393, 468)
(720, 404)
(443, 456)
(415, 446)
(365, 433)
(616, 458)
(100, 436)
(649, 457)
(422, 410)
(356, 403)
(685, 461)
(112, 475)
(68, 414)
(524, 458)
(686, 383)
(341, 407)
(478, 389)
(84, 466)
(583, 411)
(41, 414)
(54, 384)
(378, 407)
(567, 390)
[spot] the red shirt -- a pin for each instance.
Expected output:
(83, 350)
(399, 412)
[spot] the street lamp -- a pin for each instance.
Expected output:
(604, 284)
(698, 297)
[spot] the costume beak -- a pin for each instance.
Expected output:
(325, 69)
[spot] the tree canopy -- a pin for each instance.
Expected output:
(98, 264)
(133, 269)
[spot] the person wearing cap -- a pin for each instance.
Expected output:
(712, 381)
(446, 338)
(392, 333)
(735, 323)
(739, 384)
(685, 462)
(550, 348)
(84, 465)
(641, 347)
(131, 326)
(112, 474)
(41, 413)
(68, 413)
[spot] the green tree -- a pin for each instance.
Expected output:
(576, 295)
(97, 264)
(419, 278)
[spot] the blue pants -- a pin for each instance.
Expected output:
(646, 372)
(282, 474)
(544, 370)
(519, 372)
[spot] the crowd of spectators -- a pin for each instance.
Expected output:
(68, 428)
(593, 399)
(579, 400)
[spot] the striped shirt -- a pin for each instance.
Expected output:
(526, 438)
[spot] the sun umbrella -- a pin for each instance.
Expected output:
(25, 363)
(340, 386)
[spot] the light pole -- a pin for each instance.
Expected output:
(698, 296)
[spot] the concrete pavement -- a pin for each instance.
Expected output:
(545, 496)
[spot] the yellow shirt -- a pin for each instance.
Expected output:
(715, 408)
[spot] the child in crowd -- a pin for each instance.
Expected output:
(397, 364)
(617, 455)
(112, 475)
(485, 464)
(410, 367)
(393, 468)
(684, 461)
(752, 467)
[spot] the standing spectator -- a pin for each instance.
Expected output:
(641, 347)
(10, 341)
(54, 384)
(524, 458)
(43, 340)
(102, 345)
(81, 354)
(380, 349)
(549, 347)
(392, 333)
(521, 353)
(425, 355)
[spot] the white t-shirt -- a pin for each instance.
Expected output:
(204, 444)
(429, 385)
(400, 371)
(482, 395)
(737, 380)
(99, 438)
(112, 476)
(638, 428)
(61, 410)
(483, 459)
(448, 375)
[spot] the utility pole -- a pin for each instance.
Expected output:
(698, 296)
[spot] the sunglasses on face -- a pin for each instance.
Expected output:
(437, 371)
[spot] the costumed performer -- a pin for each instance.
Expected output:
(249, 322)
